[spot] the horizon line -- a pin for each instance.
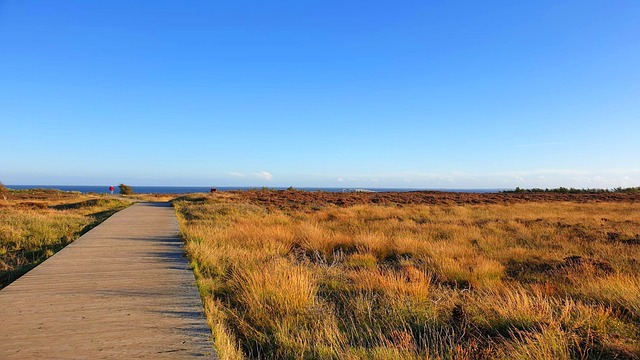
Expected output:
(276, 186)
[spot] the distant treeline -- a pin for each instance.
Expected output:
(564, 190)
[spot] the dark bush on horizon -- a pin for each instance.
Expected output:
(125, 189)
(564, 190)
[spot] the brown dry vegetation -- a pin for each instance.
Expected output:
(34, 224)
(153, 197)
(528, 280)
(304, 200)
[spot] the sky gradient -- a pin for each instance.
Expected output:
(415, 94)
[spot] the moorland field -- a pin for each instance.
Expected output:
(419, 275)
(292, 275)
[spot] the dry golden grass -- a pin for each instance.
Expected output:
(528, 280)
(152, 197)
(34, 224)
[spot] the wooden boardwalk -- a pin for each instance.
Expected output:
(123, 290)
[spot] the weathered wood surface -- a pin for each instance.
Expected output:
(123, 290)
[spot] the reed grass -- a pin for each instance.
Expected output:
(527, 280)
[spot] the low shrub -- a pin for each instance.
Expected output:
(125, 189)
(3, 191)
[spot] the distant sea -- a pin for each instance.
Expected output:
(199, 189)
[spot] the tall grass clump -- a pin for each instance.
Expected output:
(527, 280)
(3, 191)
(125, 189)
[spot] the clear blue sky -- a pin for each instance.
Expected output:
(435, 94)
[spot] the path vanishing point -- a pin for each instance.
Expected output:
(123, 290)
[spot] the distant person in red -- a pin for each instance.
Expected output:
(111, 188)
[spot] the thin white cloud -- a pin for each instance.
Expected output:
(544, 178)
(264, 175)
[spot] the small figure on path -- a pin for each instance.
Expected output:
(111, 188)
